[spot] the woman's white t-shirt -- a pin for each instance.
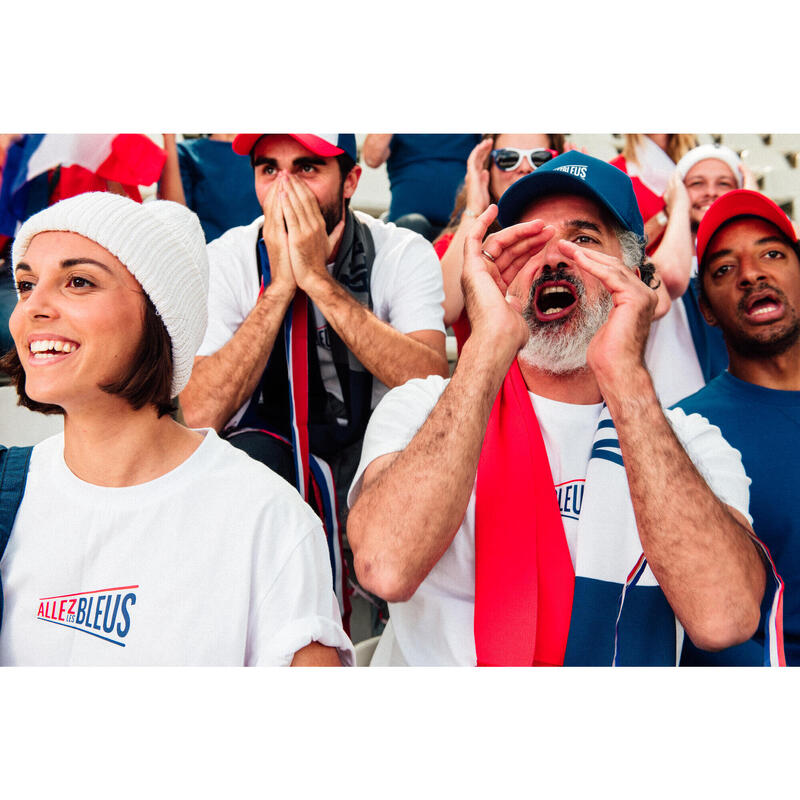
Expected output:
(218, 562)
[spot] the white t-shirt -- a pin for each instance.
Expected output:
(435, 627)
(671, 357)
(406, 288)
(218, 562)
(670, 354)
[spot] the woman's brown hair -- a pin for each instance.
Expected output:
(148, 380)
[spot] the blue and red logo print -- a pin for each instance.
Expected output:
(570, 498)
(104, 613)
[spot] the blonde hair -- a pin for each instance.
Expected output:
(678, 145)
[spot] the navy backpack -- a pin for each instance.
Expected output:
(13, 474)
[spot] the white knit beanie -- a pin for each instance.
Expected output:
(162, 245)
(706, 151)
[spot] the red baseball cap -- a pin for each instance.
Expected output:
(321, 144)
(740, 203)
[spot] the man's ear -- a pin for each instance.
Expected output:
(351, 182)
(705, 310)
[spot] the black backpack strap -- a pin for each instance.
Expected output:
(13, 475)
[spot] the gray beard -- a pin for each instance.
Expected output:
(559, 347)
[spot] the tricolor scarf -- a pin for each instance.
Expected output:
(319, 425)
(313, 417)
(530, 608)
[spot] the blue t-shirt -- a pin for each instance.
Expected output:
(709, 344)
(425, 171)
(764, 426)
(218, 185)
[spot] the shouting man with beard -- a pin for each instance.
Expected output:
(314, 312)
(749, 275)
(540, 508)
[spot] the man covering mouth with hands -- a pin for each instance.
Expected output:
(314, 310)
(540, 508)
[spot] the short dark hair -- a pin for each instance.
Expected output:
(633, 251)
(148, 381)
(345, 165)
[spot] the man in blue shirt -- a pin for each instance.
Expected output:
(749, 270)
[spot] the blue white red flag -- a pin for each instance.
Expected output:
(86, 162)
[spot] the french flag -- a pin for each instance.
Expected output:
(43, 168)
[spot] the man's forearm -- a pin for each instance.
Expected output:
(222, 382)
(392, 357)
(704, 560)
(375, 149)
(407, 515)
(171, 186)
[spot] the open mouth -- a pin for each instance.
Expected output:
(48, 349)
(763, 306)
(554, 300)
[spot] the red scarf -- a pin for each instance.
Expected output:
(524, 578)
(297, 345)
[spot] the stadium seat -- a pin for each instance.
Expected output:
(364, 651)
(782, 185)
(372, 194)
(765, 159)
(742, 141)
(20, 426)
(785, 142)
(600, 145)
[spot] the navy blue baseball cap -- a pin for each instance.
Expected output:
(575, 173)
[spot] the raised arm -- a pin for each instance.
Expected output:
(476, 184)
(699, 549)
(391, 356)
(375, 149)
(673, 257)
(170, 186)
(413, 502)
(221, 383)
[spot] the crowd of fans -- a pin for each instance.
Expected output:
(617, 326)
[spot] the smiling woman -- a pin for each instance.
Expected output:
(210, 557)
(97, 295)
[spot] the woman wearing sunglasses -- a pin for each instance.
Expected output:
(496, 162)
(139, 541)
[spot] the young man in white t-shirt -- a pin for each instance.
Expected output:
(500, 568)
(367, 334)
(315, 311)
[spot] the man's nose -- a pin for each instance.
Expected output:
(751, 271)
(551, 255)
